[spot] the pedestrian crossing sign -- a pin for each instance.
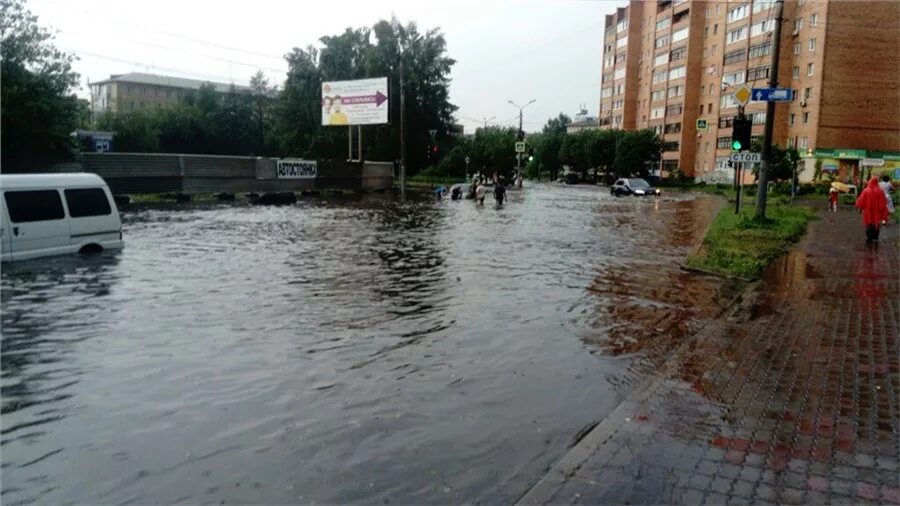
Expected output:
(702, 125)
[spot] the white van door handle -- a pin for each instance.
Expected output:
(15, 230)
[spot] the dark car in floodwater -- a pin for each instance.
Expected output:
(632, 186)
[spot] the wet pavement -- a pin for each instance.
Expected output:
(342, 349)
(790, 398)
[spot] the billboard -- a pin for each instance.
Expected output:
(291, 168)
(359, 102)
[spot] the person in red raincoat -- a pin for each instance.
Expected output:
(874, 209)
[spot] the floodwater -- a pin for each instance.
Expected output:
(340, 349)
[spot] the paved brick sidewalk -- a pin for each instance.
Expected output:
(792, 398)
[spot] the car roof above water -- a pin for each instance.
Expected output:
(34, 181)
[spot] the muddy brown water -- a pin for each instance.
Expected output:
(340, 349)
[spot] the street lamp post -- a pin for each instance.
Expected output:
(518, 155)
(403, 119)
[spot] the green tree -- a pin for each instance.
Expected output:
(783, 162)
(636, 153)
(135, 132)
(39, 108)
(353, 55)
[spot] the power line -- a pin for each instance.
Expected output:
(94, 14)
(226, 60)
(195, 75)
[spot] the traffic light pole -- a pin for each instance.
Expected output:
(763, 187)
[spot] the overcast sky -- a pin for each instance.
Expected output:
(548, 50)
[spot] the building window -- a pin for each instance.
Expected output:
(809, 69)
(759, 50)
(663, 23)
(793, 119)
(796, 48)
(620, 58)
(622, 25)
(798, 25)
(722, 162)
(673, 128)
(673, 110)
(737, 34)
(762, 27)
(812, 45)
(678, 54)
(657, 95)
(677, 72)
(723, 142)
(803, 143)
(659, 76)
(661, 41)
(807, 93)
(671, 146)
(706, 33)
(761, 5)
(619, 73)
(657, 129)
(701, 108)
(758, 118)
(661, 59)
(726, 121)
(733, 78)
(622, 42)
(709, 107)
(617, 120)
(680, 34)
(715, 28)
(757, 73)
(738, 13)
(728, 100)
(618, 104)
(657, 112)
(795, 72)
(734, 56)
(813, 19)
(805, 118)
(606, 92)
(712, 50)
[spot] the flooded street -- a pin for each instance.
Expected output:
(343, 349)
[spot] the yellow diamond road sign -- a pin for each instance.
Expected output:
(742, 95)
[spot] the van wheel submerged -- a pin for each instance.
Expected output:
(90, 249)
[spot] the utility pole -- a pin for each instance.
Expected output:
(402, 133)
(492, 118)
(518, 155)
(763, 187)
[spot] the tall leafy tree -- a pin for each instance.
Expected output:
(39, 107)
(354, 55)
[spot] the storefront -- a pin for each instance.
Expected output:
(847, 165)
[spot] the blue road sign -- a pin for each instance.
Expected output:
(771, 94)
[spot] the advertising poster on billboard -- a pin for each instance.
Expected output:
(359, 102)
(291, 168)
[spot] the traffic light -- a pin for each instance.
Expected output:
(740, 133)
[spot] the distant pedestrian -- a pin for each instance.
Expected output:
(833, 199)
(499, 193)
(479, 193)
(887, 188)
(440, 191)
(873, 205)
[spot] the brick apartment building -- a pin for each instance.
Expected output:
(136, 90)
(668, 63)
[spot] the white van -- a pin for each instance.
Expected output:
(56, 214)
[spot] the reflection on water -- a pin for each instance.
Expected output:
(340, 349)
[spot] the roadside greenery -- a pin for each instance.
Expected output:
(740, 245)
(37, 97)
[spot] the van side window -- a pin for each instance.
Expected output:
(34, 205)
(87, 202)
